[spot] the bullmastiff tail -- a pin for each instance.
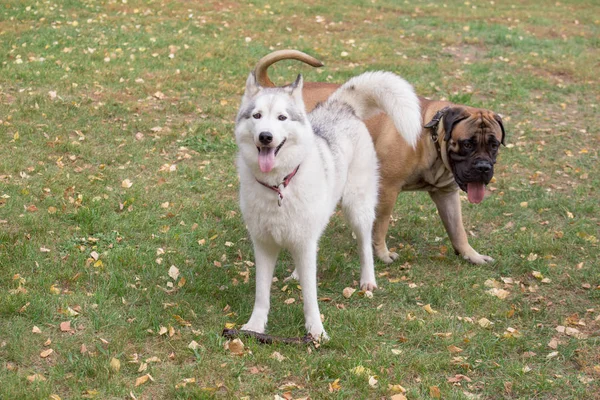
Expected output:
(456, 150)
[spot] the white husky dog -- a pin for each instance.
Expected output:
(295, 167)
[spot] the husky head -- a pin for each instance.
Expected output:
(272, 128)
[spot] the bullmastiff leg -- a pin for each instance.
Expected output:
(448, 205)
(387, 200)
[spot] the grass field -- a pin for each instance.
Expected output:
(123, 254)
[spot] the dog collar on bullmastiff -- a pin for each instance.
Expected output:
(433, 126)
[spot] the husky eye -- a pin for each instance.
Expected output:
(257, 116)
(282, 118)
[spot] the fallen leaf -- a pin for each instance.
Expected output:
(36, 378)
(459, 377)
(174, 272)
(553, 343)
(46, 353)
(162, 331)
(126, 184)
(398, 396)
(453, 349)
(429, 310)
(236, 346)
(485, 323)
(184, 382)
(115, 364)
(396, 388)
(65, 326)
(334, 386)
(290, 300)
(347, 292)
(434, 392)
(372, 381)
(36, 330)
(499, 293)
(143, 379)
(552, 355)
(277, 356)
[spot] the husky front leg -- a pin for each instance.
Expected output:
(305, 259)
(265, 256)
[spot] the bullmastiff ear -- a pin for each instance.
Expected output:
(451, 118)
(499, 120)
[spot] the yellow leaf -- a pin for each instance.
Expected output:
(396, 389)
(335, 386)
(427, 307)
(181, 321)
(115, 364)
(162, 330)
(55, 397)
(126, 184)
(229, 325)
(52, 210)
(434, 392)
(142, 379)
(485, 323)
(181, 282)
(398, 396)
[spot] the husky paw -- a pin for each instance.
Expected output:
(253, 328)
(320, 336)
(294, 276)
(370, 286)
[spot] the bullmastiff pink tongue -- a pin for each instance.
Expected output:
(475, 192)
(266, 158)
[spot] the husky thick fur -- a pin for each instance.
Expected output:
(295, 168)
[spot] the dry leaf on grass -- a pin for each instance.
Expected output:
(347, 292)
(174, 272)
(36, 330)
(454, 349)
(65, 326)
(434, 392)
(277, 356)
(126, 184)
(499, 293)
(115, 364)
(46, 353)
(427, 307)
(143, 379)
(334, 386)
(36, 378)
(236, 346)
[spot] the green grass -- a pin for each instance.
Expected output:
(90, 97)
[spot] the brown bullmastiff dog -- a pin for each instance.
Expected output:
(457, 149)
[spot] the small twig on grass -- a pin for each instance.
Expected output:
(267, 339)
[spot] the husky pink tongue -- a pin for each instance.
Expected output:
(266, 158)
(475, 192)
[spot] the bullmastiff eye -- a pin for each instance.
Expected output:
(467, 145)
(257, 115)
(282, 118)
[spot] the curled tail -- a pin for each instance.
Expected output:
(260, 70)
(374, 92)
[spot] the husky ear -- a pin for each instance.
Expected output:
(295, 89)
(252, 86)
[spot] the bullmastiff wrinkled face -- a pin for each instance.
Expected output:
(473, 137)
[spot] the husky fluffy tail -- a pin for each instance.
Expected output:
(374, 92)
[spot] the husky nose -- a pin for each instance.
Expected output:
(483, 166)
(265, 137)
